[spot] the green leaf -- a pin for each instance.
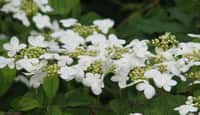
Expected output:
(77, 97)
(88, 18)
(196, 93)
(77, 111)
(53, 110)
(184, 18)
(120, 106)
(64, 7)
(66, 113)
(51, 85)
(182, 87)
(162, 105)
(6, 79)
(37, 94)
(25, 104)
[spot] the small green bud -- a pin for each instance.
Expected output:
(165, 41)
(32, 52)
(52, 70)
(29, 6)
(137, 73)
(162, 68)
(81, 51)
(155, 60)
(84, 31)
(196, 101)
(194, 73)
(117, 52)
(95, 68)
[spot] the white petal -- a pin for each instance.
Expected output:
(69, 22)
(149, 91)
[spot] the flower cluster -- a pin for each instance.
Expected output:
(24, 10)
(90, 53)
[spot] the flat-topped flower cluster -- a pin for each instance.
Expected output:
(89, 53)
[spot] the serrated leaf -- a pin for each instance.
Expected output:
(25, 104)
(6, 79)
(51, 85)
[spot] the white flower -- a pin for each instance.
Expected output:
(123, 66)
(49, 56)
(185, 109)
(104, 25)
(6, 62)
(140, 48)
(149, 90)
(184, 48)
(11, 6)
(23, 79)
(180, 66)
(13, 47)
(95, 82)
(161, 79)
(37, 41)
(69, 73)
(194, 35)
(70, 39)
(37, 79)
(43, 5)
(54, 47)
(69, 22)
(115, 41)
(63, 60)
(96, 39)
(27, 64)
(135, 113)
(20, 15)
(42, 21)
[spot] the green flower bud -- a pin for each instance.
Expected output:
(81, 51)
(95, 68)
(138, 73)
(52, 70)
(117, 51)
(165, 41)
(111, 69)
(84, 31)
(32, 52)
(196, 101)
(29, 6)
(155, 60)
(162, 68)
(194, 73)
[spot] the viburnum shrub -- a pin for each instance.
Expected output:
(66, 68)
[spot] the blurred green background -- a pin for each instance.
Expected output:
(134, 18)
